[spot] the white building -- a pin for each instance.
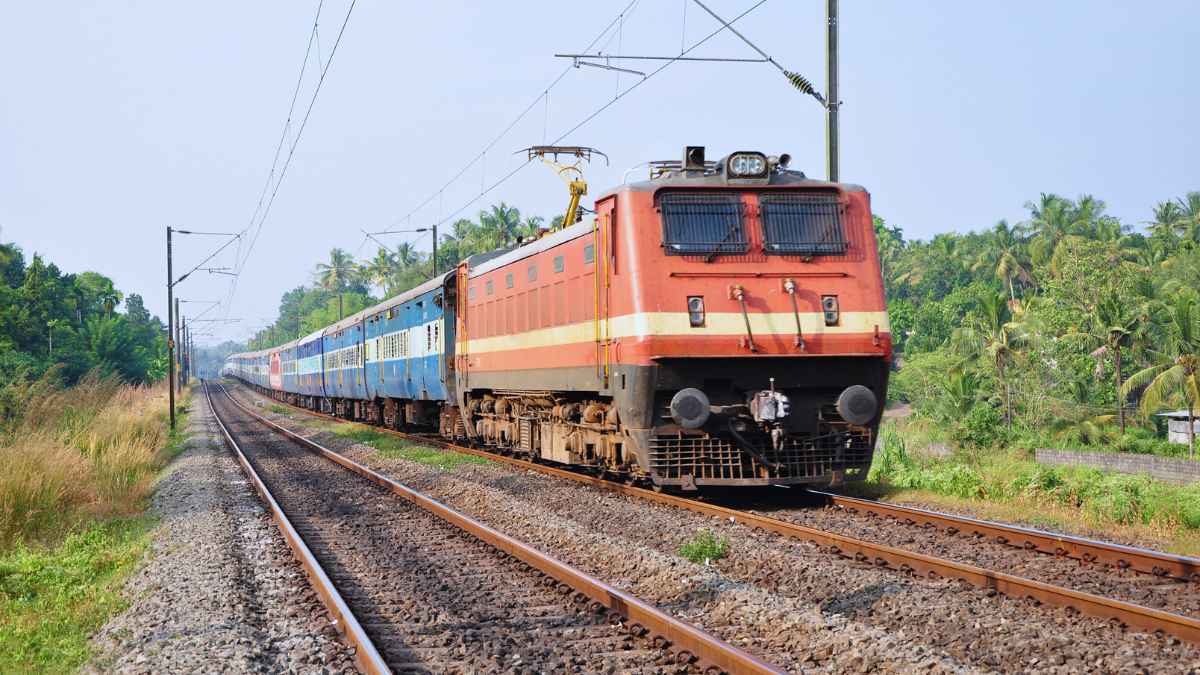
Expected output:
(1177, 421)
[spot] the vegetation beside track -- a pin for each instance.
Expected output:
(391, 447)
(80, 464)
(1007, 484)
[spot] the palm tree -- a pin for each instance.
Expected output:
(1050, 220)
(380, 269)
(1189, 206)
(337, 274)
(499, 226)
(1168, 217)
(1174, 377)
(1112, 325)
(406, 256)
(1004, 254)
(992, 337)
(531, 229)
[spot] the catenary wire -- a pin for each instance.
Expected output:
(594, 114)
(291, 153)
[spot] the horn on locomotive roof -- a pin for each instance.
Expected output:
(572, 174)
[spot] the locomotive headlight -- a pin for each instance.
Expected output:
(695, 305)
(747, 165)
(829, 306)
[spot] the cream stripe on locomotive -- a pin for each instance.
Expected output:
(649, 324)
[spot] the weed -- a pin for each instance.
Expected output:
(279, 410)
(704, 547)
(53, 599)
(390, 447)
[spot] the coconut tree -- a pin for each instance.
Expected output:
(531, 228)
(500, 225)
(992, 337)
(1111, 328)
(380, 269)
(338, 274)
(1174, 378)
(1189, 207)
(1004, 255)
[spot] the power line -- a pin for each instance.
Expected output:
(291, 151)
(606, 106)
(288, 120)
(476, 158)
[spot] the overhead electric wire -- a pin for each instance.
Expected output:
(594, 114)
(288, 121)
(291, 152)
(532, 104)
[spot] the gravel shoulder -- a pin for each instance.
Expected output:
(784, 600)
(220, 590)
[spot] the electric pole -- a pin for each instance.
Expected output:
(178, 346)
(435, 249)
(831, 89)
(170, 333)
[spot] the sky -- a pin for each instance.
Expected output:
(121, 118)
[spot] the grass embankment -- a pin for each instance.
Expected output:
(391, 447)
(79, 464)
(1007, 484)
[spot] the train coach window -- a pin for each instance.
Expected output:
(702, 223)
(802, 224)
(488, 287)
(508, 280)
(471, 293)
(533, 272)
(559, 264)
(589, 254)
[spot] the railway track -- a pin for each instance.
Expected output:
(416, 586)
(1129, 614)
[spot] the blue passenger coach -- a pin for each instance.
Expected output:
(387, 364)
(406, 344)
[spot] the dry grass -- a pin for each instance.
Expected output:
(73, 455)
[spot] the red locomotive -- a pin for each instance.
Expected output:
(722, 323)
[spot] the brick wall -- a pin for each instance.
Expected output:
(1163, 468)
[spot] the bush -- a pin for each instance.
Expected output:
(983, 427)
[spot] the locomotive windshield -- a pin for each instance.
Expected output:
(802, 224)
(702, 223)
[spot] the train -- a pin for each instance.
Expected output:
(719, 324)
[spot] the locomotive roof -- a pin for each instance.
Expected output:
(547, 242)
(680, 179)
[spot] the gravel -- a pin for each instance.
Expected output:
(1172, 595)
(220, 590)
(781, 599)
(432, 597)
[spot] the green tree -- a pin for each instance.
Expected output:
(338, 275)
(381, 269)
(993, 338)
(1004, 255)
(1174, 377)
(1111, 328)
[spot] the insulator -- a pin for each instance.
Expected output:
(800, 82)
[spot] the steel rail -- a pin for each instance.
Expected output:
(366, 656)
(1142, 560)
(1120, 612)
(689, 642)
